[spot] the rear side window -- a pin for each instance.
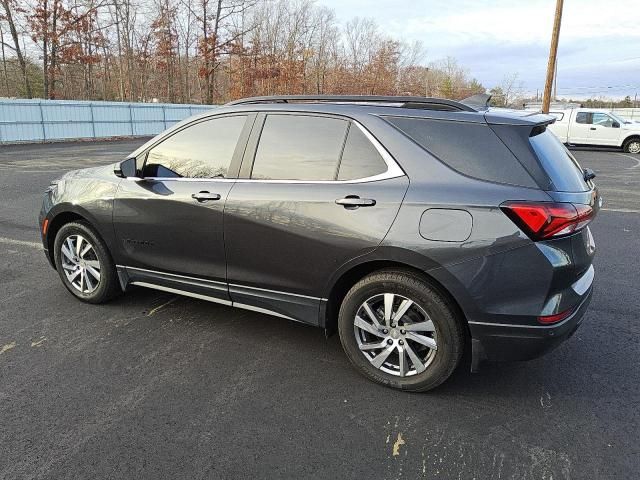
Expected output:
(557, 161)
(297, 147)
(201, 150)
(470, 148)
(583, 117)
(360, 159)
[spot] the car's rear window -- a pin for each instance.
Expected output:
(557, 161)
(472, 149)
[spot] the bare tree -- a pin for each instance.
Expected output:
(10, 7)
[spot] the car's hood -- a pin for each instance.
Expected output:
(91, 172)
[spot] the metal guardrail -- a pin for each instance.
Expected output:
(55, 120)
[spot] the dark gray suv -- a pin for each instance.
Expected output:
(415, 227)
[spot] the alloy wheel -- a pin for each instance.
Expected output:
(80, 263)
(634, 147)
(395, 334)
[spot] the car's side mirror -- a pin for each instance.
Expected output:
(126, 168)
(615, 125)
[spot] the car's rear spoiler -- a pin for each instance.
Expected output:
(478, 102)
(518, 117)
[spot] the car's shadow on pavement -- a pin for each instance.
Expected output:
(305, 345)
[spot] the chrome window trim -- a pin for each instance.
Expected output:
(393, 170)
(181, 179)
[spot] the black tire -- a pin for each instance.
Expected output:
(108, 286)
(629, 144)
(449, 329)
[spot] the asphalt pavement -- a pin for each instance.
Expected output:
(158, 386)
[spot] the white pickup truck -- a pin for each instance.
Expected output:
(590, 126)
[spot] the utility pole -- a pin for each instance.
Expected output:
(426, 82)
(554, 97)
(553, 53)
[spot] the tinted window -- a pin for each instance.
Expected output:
(560, 165)
(297, 147)
(360, 158)
(202, 150)
(582, 117)
(470, 148)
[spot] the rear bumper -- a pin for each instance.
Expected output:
(502, 342)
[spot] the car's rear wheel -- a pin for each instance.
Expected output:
(84, 264)
(632, 145)
(398, 330)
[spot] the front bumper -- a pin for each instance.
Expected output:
(502, 342)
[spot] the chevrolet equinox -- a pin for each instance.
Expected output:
(418, 228)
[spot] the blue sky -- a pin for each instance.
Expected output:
(599, 41)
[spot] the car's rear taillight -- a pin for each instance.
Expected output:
(555, 318)
(544, 220)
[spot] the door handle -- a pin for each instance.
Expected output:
(351, 202)
(205, 196)
(592, 128)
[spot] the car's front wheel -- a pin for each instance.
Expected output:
(398, 330)
(84, 264)
(632, 145)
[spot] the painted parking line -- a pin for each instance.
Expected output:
(25, 243)
(635, 159)
(620, 210)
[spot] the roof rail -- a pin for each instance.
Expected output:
(425, 103)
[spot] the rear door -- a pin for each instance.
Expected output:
(602, 131)
(580, 129)
(170, 222)
(315, 192)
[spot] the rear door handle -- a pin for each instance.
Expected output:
(592, 128)
(354, 201)
(205, 196)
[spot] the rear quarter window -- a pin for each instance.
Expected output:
(470, 148)
(562, 167)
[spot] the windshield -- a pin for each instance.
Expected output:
(618, 118)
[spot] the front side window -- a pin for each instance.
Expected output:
(603, 120)
(202, 150)
(297, 147)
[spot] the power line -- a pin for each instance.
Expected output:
(579, 87)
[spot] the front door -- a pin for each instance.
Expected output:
(320, 192)
(169, 223)
(602, 130)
